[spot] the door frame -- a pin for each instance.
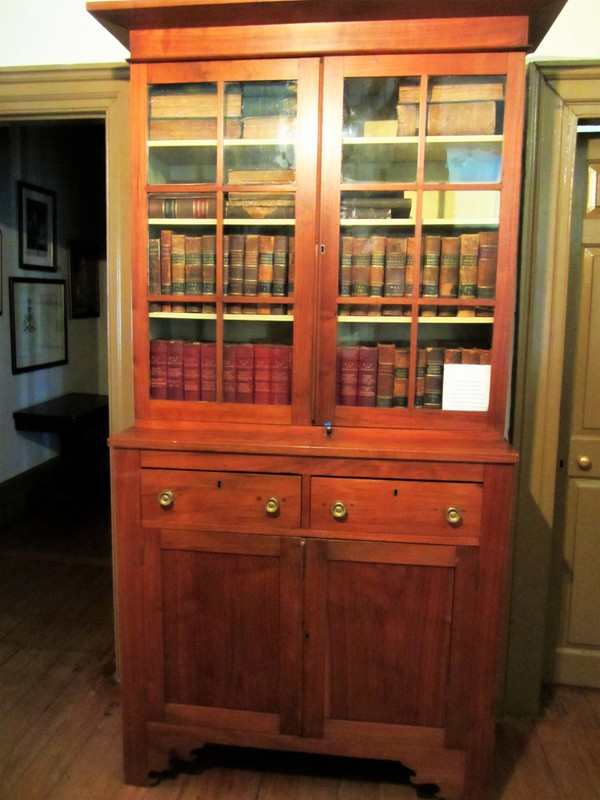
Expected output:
(560, 94)
(71, 93)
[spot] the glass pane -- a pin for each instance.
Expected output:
(453, 365)
(182, 132)
(258, 270)
(373, 364)
(464, 161)
(380, 130)
(263, 151)
(259, 370)
(465, 105)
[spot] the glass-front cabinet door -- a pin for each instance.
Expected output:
(418, 220)
(228, 163)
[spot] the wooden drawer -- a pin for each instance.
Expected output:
(395, 506)
(220, 500)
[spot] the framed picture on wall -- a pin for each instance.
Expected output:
(37, 227)
(38, 323)
(84, 282)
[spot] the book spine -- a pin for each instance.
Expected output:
(410, 271)
(385, 374)
(487, 269)
(348, 375)
(281, 374)
(401, 368)
(395, 267)
(158, 369)
(449, 266)
(262, 373)
(461, 118)
(178, 264)
(229, 373)
(154, 285)
(467, 274)
(291, 265)
(420, 377)
(166, 284)
(225, 270)
(367, 375)
(280, 265)
(377, 271)
(191, 370)
(208, 372)
(175, 369)
(361, 266)
(193, 265)
(434, 372)
(430, 272)
(244, 373)
(266, 258)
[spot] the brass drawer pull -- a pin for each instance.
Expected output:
(339, 510)
(453, 517)
(166, 499)
(272, 507)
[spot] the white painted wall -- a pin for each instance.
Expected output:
(59, 32)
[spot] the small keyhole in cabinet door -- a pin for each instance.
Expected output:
(395, 492)
(218, 484)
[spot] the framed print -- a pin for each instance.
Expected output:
(37, 227)
(38, 323)
(84, 286)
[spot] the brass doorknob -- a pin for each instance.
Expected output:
(339, 510)
(584, 463)
(453, 517)
(272, 506)
(166, 499)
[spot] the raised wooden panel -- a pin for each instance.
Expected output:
(228, 612)
(582, 531)
(220, 500)
(389, 507)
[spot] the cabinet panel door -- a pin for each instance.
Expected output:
(393, 619)
(224, 607)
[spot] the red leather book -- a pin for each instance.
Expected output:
(281, 374)
(208, 371)
(158, 369)
(175, 369)
(348, 375)
(263, 356)
(191, 370)
(244, 373)
(229, 373)
(367, 375)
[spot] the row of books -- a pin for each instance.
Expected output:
(257, 109)
(378, 375)
(452, 267)
(254, 265)
(252, 373)
(241, 205)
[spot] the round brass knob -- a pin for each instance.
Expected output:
(453, 517)
(584, 463)
(166, 499)
(272, 506)
(339, 510)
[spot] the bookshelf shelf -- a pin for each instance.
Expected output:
(312, 509)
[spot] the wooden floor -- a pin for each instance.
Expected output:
(59, 703)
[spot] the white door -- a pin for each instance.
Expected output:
(577, 655)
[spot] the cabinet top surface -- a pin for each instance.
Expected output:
(122, 16)
(314, 441)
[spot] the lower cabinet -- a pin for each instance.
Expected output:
(268, 616)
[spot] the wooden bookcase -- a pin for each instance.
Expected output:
(313, 507)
